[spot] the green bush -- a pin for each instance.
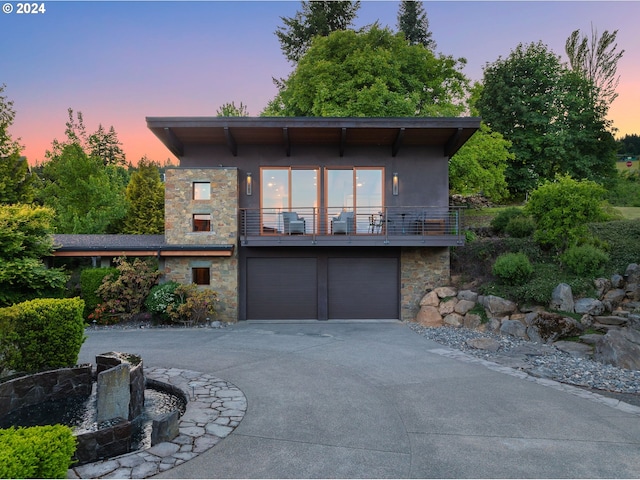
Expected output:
(622, 239)
(36, 452)
(160, 297)
(45, 333)
(501, 220)
(513, 268)
(563, 208)
(90, 281)
(8, 319)
(195, 305)
(626, 190)
(520, 227)
(584, 260)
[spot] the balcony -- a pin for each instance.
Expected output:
(371, 226)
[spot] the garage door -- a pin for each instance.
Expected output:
(361, 288)
(282, 288)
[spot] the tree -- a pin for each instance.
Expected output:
(480, 164)
(550, 116)
(24, 240)
(629, 145)
(16, 181)
(231, 110)
(145, 197)
(372, 73)
(106, 146)
(596, 59)
(317, 18)
(413, 22)
(87, 196)
(562, 208)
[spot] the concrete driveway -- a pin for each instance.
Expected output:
(376, 400)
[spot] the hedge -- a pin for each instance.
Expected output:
(90, 281)
(36, 452)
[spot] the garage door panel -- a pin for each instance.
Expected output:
(360, 288)
(282, 288)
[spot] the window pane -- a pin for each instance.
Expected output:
(304, 195)
(275, 197)
(201, 191)
(201, 276)
(201, 223)
(339, 191)
(368, 196)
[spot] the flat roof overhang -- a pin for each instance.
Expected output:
(131, 246)
(449, 133)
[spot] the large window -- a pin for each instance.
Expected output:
(357, 190)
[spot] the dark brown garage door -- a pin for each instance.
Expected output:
(282, 288)
(363, 288)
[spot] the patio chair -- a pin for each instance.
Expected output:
(343, 223)
(293, 223)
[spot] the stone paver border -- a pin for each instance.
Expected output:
(214, 409)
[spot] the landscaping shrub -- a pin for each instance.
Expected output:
(513, 268)
(124, 295)
(501, 220)
(622, 238)
(626, 190)
(585, 260)
(90, 281)
(563, 208)
(8, 317)
(195, 305)
(36, 452)
(160, 297)
(520, 226)
(46, 334)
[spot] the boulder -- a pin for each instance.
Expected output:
(590, 306)
(632, 291)
(611, 320)
(534, 334)
(602, 286)
(617, 281)
(552, 326)
(562, 298)
(430, 300)
(454, 320)
(472, 321)
(444, 292)
(429, 317)
(498, 306)
(483, 343)
(447, 307)
(468, 295)
(613, 298)
(575, 349)
(632, 273)
(463, 306)
(620, 348)
(514, 328)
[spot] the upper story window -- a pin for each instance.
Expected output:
(201, 190)
(201, 222)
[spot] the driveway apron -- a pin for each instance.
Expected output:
(376, 400)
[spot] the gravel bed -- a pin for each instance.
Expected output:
(539, 360)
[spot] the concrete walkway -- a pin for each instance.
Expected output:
(376, 400)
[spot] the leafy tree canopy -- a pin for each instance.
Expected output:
(551, 117)
(597, 59)
(145, 197)
(373, 73)
(317, 18)
(629, 145)
(413, 22)
(24, 240)
(231, 110)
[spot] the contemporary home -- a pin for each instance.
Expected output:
(306, 218)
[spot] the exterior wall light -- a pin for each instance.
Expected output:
(394, 185)
(249, 184)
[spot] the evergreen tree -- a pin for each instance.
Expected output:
(413, 22)
(145, 197)
(317, 18)
(231, 110)
(106, 146)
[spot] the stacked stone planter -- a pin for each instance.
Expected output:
(615, 315)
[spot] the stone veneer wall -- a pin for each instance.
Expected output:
(223, 207)
(421, 269)
(179, 206)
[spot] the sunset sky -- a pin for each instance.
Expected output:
(118, 62)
